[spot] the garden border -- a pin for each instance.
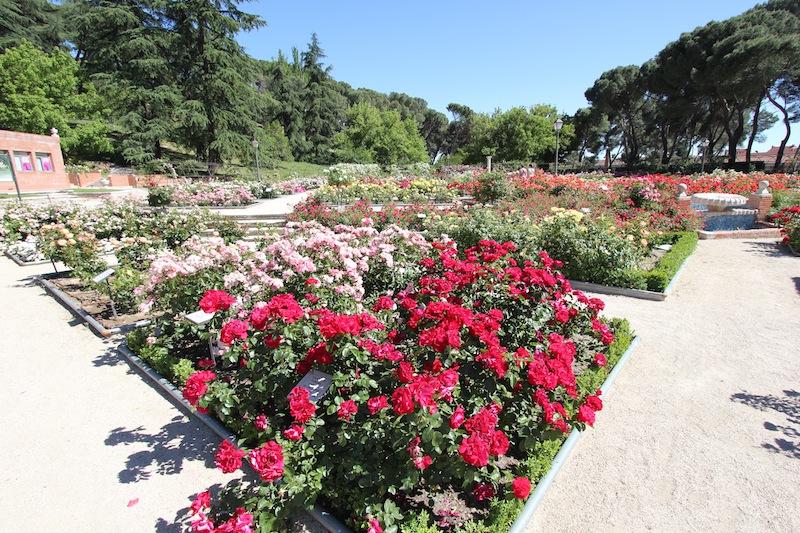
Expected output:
(537, 496)
(756, 233)
(22, 263)
(332, 524)
(633, 293)
(96, 326)
(319, 514)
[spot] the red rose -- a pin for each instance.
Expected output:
(586, 415)
(235, 329)
(521, 487)
(374, 527)
(258, 318)
(457, 418)
(299, 405)
(384, 302)
(286, 307)
(196, 386)
(202, 501)
(376, 404)
(498, 443)
(600, 359)
(294, 433)
(347, 409)
(594, 403)
(268, 461)
(203, 524)
(483, 491)
(213, 301)
(403, 401)
(260, 422)
(421, 463)
(405, 372)
(474, 450)
(228, 458)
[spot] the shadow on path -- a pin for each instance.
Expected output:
(182, 515)
(789, 442)
(769, 249)
(167, 449)
(796, 284)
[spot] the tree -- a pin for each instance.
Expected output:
(39, 91)
(284, 82)
(459, 130)
(375, 136)
(36, 21)
(324, 106)
(127, 51)
(220, 106)
(518, 134)
(619, 94)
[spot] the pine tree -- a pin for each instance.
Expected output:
(324, 106)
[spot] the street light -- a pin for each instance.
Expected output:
(258, 168)
(704, 144)
(557, 126)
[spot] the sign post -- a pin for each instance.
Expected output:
(7, 172)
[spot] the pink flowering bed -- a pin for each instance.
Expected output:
(212, 195)
(453, 375)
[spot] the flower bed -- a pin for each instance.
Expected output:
(788, 219)
(213, 194)
(459, 370)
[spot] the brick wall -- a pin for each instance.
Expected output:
(29, 144)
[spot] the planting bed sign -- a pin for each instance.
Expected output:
(316, 383)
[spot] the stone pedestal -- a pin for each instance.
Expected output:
(684, 200)
(761, 200)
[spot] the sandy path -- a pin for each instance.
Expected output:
(701, 431)
(82, 435)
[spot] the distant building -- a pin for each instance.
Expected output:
(789, 160)
(37, 161)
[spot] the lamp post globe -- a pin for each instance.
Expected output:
(557, 125)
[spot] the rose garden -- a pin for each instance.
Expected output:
(408, 350)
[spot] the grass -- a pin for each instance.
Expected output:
(284, 169)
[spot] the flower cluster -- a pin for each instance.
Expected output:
(788, 219)
(429, 381)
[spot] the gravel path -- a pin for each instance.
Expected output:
(88, 444)
(701, 431)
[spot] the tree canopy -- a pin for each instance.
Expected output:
(145, 77)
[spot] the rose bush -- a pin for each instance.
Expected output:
(456, 375)
(788, 218)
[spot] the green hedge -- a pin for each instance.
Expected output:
(683, 245)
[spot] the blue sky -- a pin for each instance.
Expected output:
(486, 55)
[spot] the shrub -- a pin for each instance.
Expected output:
(789, 220)
(158, 196)
(590, 250)
(76, 249)
(473, 362)
(492, 186)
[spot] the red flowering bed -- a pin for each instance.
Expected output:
(444, 391)
(788, 219)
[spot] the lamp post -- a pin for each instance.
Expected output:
(258, 168)
(557, 126)
(704, 145)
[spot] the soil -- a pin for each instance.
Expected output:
(96, 303)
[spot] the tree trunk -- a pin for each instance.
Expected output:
(787, 124)
(754, 131)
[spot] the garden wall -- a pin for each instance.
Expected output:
(38, 163)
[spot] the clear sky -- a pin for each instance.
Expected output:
(488, 55)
